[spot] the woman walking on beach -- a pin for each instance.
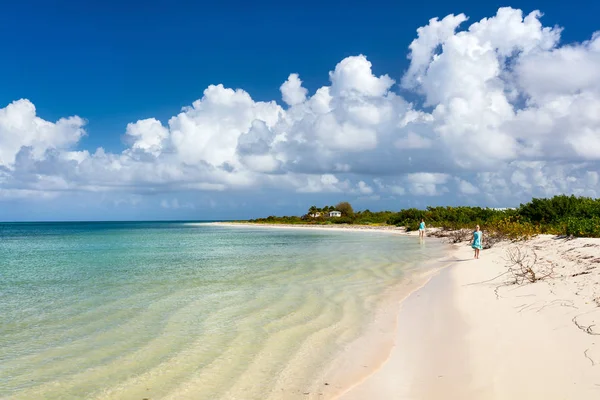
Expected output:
(422, 229)
(477, 241)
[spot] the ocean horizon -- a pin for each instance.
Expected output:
(187, 309)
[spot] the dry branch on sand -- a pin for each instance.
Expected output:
(492, 238)
(452, 235)
(587, 329)
(459, 236)
(524, 267)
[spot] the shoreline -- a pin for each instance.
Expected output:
(466, 335)
(379, 338)
(366, 355)
(468, 331)
(388, 351)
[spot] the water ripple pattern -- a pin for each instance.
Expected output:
(185, 311)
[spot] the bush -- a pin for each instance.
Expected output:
(376, 218)
(447, 218)
(583, 227)
(341, 220)
(412, 225)
(514, 229)
(554, 210)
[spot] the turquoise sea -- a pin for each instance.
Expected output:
(164, 310)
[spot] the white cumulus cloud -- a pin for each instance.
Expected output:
(21, 127)
(292, 91)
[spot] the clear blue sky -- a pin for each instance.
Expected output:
(115, 62)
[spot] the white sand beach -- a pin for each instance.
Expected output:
(461, 337)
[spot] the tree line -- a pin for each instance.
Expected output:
(560, 215)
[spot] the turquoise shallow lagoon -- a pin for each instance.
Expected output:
(179, 310)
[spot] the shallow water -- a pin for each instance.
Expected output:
(177, 310)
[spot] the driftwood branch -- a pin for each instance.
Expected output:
(588, 357)
(525, 268)
(587, 329)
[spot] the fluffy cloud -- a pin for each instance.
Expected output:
(509, 113)
(292, 91)
(21, 127)
(147, 135)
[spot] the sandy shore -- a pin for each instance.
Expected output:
(464, 337)
(471, 332)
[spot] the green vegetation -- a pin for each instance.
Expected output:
(320, 216)
(560, 215)
(346, 209)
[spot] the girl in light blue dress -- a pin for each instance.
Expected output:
(422, 229)
(477, 241)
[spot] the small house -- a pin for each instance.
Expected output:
(335, 214)
(315, 215)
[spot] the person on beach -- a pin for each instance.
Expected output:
(422, 229)
(477, 241)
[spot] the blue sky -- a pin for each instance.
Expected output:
(115, 63)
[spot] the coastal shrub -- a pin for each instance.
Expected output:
(341, 220)
(553, 211)
(279, 220)
(560, 215)
(369, 217)
(404, 217)
(553, 229)
(547, 211)
(447, 218)
(513, 228)
(412, 225)
(583, 227)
